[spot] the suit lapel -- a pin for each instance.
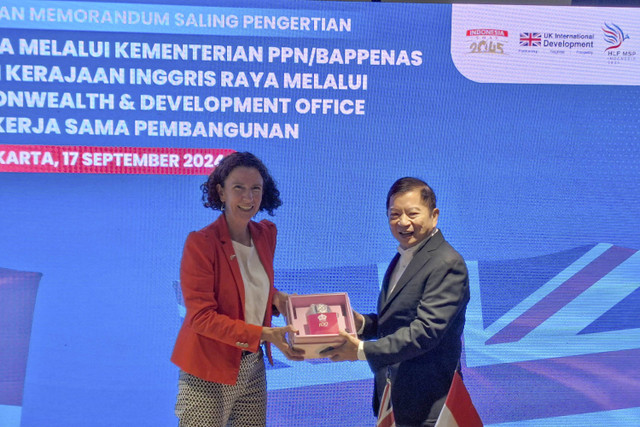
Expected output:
(382, 298)
(419, 260)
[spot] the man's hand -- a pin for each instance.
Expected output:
(358, 320)
(278, 337)
(348, 350)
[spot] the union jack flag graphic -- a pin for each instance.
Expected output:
(531, 39)
(555, 340)
(549, 340)
(385, 414)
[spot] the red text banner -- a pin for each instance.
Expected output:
(112, 160)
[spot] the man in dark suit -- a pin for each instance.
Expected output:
(421, 311)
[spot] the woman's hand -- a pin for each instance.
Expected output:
(278, 337)
(280, 302)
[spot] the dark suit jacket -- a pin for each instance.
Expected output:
(418, 329)
(214, 333)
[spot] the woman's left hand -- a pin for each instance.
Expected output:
(280, 302)
(278, 337)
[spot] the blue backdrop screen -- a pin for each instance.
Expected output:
(524, 120)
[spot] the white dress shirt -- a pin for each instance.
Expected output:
(406, 255)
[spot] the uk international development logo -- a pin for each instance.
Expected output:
(531, 39)
(615, 37)
(487, 41)
(530, 42)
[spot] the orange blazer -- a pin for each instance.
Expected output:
(214, 333)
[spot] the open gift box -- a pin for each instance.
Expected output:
(318, 318)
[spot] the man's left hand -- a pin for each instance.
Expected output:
(348, 350)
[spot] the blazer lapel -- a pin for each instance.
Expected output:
(419, 259)
(230, 257)
(382, 298)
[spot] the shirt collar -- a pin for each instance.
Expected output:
(412, 250)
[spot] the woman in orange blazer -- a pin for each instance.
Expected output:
(226, 277)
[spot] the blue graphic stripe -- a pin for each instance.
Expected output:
(301, 374)
(10, 415)
(623, 315)
(543, 290)
(559, 336)
(607, 292)
(562, 296)
(625, 417)
(522, 277)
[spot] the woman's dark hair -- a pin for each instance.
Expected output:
(270, 194)
(407, 184)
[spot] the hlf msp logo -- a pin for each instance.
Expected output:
(615, 37)
(487, 41)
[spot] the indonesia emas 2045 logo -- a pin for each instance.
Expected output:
(487, 40)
